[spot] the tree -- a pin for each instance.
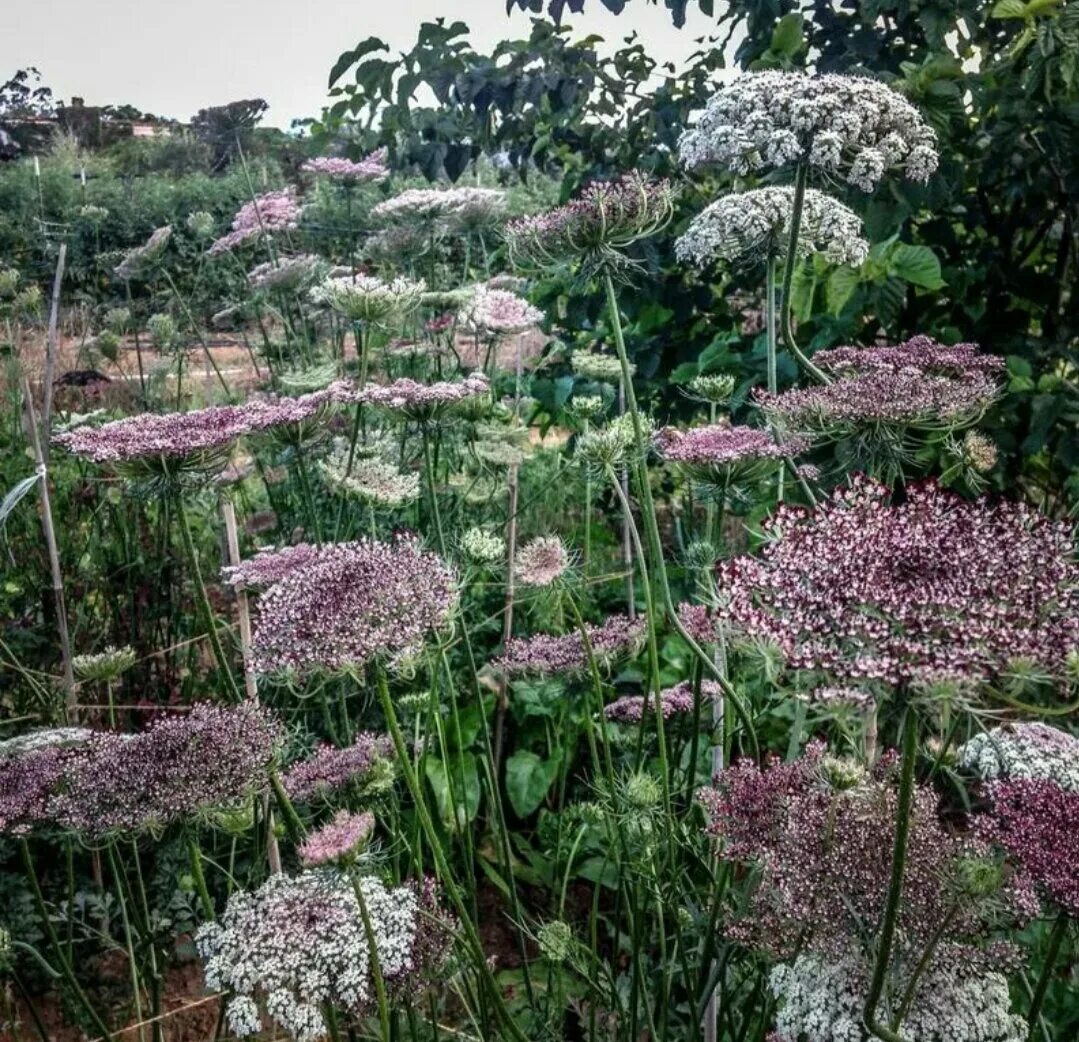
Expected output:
(228, 129)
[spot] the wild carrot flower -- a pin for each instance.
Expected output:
(270, 565)
(329, 771)
(140, 262)
(849, 126)
(546, 653)
(358, 602)
(756, 224)
(105, 665)
(367, 298)
(542, 561)
(287, 274)
(266, 214)
(591, 365)
(418, 205)
(480, 547)
(371, 169)
(425, 402)
(375, 482)
(722, 453)
(339, 841)
(673, 701)
(1017, 751)
(298, 944)
(498, 312)
(933, 587)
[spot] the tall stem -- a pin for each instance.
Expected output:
(372, 958)
(1056, 938)
(195, 855)
(507, 610)
(895, 887)
(770, 283)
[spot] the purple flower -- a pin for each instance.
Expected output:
(424, 402)
(723, 452)
(933, 587)
(272, 212)
(358, 601)
(546, 653)
(339, 841)
(673, 701)
(269, 566)
(330, 770)
(372, 168)
(541, 561)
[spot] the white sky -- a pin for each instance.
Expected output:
(173, 57)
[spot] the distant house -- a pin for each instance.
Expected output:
(93, 126)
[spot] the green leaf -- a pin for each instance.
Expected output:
(917, 265)
(349, 58)
(1009, 9)
(842, 283)
(14, 497)
(787, 37)
(528, 777)
(682, 374)
(468, 801)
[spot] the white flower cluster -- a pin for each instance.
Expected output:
(481, 547)
(367, 298)
(45, 738)
(105, 665)
(595, 366)
(298, 942)
(822, 999)
(371, 480)
(498, 311)
(1024, 750)
(464, 207)
(757, 223)
(849, 126)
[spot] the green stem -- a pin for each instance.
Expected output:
(895, 888)
(195, 854)
(1056, 939)
(372, 959)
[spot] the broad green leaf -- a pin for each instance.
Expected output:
(14, 497)
(787, 35)
(1009, 9)
(349, 58)
(842, 283)
(464, 777)
(917, 265)
(528, 777)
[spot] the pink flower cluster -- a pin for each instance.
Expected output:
(139, 261)
(338, 840)
(721, 445)
(372, 168)
(357, 601)
(541, 561)
(673, 701)
(934, 587)
(498, 311)
(1034, 820)
(424, 401)
(272, 212)
(177, 767)
(330, 770)
(546, 653)
(269, 566)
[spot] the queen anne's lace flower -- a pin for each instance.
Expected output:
(593, 366)
(372, 168)
(298, 944)
(498, 311)
(330, 770)
(357, 601)
(757, 224)
(541, 561)
(425, 402)
(673, 701)
(722, 451)
(617, 637)
(105, 665)
(139, 262)
(466, 206)
(268, 213)
(934, 587)
(286, 273)
(370, 480)
(367, 298)
(1016, 751)
(338, 841)
(481, 547)
(850, 126)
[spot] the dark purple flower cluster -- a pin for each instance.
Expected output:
(722, 451)
(617, 637)
(813, 829)
(1034, 820)
(329, 769)
(919, 383)
(935, 587)
(355, 602)
(270, 566)
(606, 215)
(673, 701)
(176, 768)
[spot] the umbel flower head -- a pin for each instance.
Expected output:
(851, 127)
(105, 665)
(358, 602)
(141, 261)
(367, 298)
(595, 366)
(371, 169)
(461, 206)
(372, 481)
(935, 587)
(270, 565)
(285, 274)
(298, 944)
(542, 561)
(480, 547)
(178, 767)
(1017, 751)
(362, 766)
(498, 312)
(606, 218)
(425, 403)
(756, 224)
(720, 453)
(544, 654)
(271, 212)
(673, 701)
(339, 841)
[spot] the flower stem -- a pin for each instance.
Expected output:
(1056, 939)
(372, 958)
(195, 854)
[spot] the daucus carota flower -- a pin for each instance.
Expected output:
(721, 451)
(757, 224)
(358, 602)
(200, 224)
(363, 764)
(105, 665)
(606, 217)
(713, 388)
(141, 261)
(369, 480)
(918, 384)
(673, 701)
(270, 565)
(609, 446)
(339, 841)
(367, 298)
(298, 944)
(418, 204)
(545, 653)
(541, 561)
(425, 402)
(286, 273)
(480, 547)
(271, 212)
(1016, 751)
(850, 126)
(934, 587)
(371, 169)
(591, 365)
(498, 312)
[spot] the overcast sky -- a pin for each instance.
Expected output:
(173, 57)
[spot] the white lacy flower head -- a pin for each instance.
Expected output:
(821, 1000)
(481, 547)
(1022, 751)
(374, 481)
(498, 311)
(467, 207)
(298, 943)
(757, 224)
(367, 298)
(848, 126)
